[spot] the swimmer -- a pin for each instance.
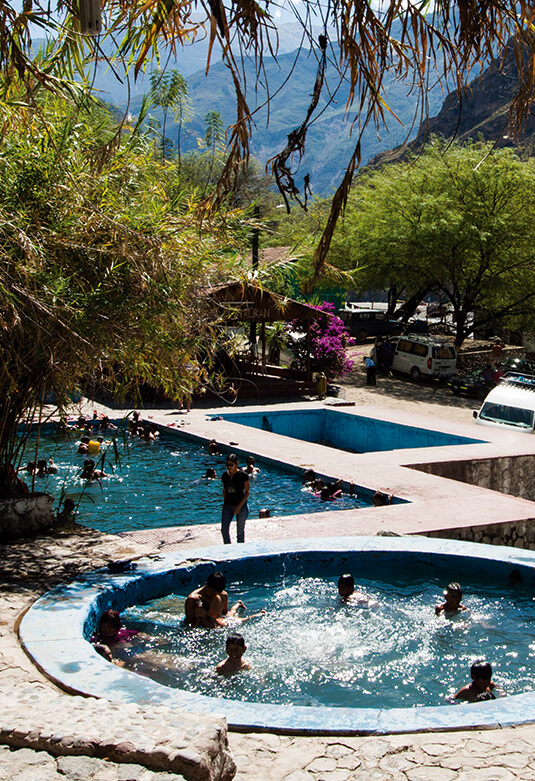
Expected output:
(202, 615)
(68, 514)
(133, 424)
(335, 489)
(346, 589)
(380, 499)
(31, 468)
(211, 474)
(264, 513)
(250, 468)
(309, 476)
(213, 448)
(106, 425)
(214, 593)
(481, 686)
(325, 494)
(453, 604)
(42, 468)
(51, 467)
(83, 445)
(235, 648)
(147, 434)
(110, 630)
(90, 473)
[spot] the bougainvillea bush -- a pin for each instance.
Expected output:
(329, 341)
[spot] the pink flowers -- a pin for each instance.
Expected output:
(328, 342)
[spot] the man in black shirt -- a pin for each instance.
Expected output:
(235, 494)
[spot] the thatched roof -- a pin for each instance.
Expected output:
(248, 302)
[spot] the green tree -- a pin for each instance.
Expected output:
(214, 140)
(169, 91)
(182, 113)
(101, 272)
(458, 221)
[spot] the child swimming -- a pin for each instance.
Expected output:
(202, 615)
(110, 630)
(346, 589)
(481, 686)
(235, 648)
(453, 604)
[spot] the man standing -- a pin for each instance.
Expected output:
(370, 371)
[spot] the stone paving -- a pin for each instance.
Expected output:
(30, 567)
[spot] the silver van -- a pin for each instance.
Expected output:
(419, 355)
(510, 405)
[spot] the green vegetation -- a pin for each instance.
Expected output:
(102, 265)
(459, 221)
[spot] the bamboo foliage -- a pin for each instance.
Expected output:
(100, 270)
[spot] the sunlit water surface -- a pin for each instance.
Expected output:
(310, 649)
(160, 483)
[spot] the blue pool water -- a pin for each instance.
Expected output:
(296, 580)
(310, 649)
(355, 433)
(156, 484)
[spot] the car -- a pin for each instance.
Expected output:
(517, 365)
(362, 323)
(471, 384)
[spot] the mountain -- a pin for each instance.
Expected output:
(481, 112)
(291, 77)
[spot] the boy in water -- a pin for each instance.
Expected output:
(453, 603)
(481, 687)
(214, 593)
(346, 589)
(235, 648)
(202, 615)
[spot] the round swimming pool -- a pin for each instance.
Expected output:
(56, 630)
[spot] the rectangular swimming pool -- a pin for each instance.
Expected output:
(354, 433)
(162, 483)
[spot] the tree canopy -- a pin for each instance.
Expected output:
(102, 267)
(458, 221)
(417, 42)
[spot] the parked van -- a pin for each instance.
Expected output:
(362, 323)
(419, 355)
(510, 405)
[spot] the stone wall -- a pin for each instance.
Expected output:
(513, 475)
(516, 534)
(24, 515)
(470, 361)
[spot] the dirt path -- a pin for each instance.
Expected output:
(399, 392)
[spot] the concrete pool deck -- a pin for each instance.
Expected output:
(433, 505)
(31, 567)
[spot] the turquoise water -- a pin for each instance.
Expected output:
(160, 483)
(310, 649)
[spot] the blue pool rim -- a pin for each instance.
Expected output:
(54, 633)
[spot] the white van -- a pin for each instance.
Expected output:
(420, 355)
(510, 405)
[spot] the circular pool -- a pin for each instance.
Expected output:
(55, 631)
